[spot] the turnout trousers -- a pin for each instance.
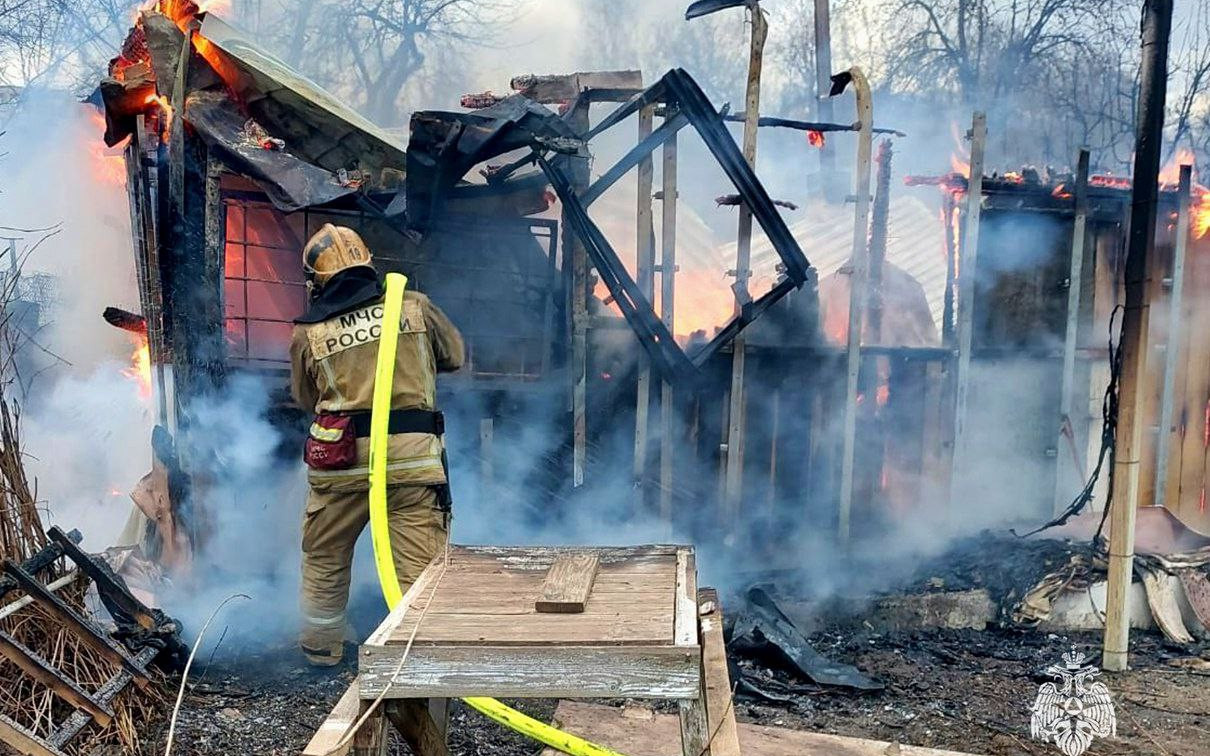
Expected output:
(331, 526)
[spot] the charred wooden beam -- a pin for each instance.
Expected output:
(126, 320)
(566, 87)
(87, 632)
(41, 670)
(107, 584)
(105, 694)
(821, 126)
(45, 557)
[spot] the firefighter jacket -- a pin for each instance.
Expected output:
(332, 371)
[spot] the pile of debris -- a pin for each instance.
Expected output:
(72, 680)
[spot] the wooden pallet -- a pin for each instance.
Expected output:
(89, 706)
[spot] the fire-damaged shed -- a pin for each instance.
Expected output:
(234, 160)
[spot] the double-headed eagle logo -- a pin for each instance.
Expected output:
(1073, 709)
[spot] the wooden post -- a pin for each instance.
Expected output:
(857, 299)
(734, 479)
(823, 83)
(967, 267)
(645, 278)
(948, 206)
(1157, 25)
(1167, 421)
(668, 315)
(879, 223)
(1067, 472)
(579, 293)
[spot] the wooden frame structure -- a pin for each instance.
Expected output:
(469, 627)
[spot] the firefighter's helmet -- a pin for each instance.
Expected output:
(331, 250)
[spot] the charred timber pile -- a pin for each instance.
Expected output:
(67, 684)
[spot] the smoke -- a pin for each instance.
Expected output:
(87, 428)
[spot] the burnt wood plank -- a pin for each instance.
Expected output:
(104, 579)
(39, 669)
(106, 694)
(567, 584)
(24, 741)
(85, 629)
(716, 681)
(412, 719)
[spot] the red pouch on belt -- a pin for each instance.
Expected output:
(331, 443)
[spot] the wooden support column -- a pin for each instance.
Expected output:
(645, 278)
(1068, 474)
(823, 83)
(967, 270)
(668, 315)
(371, 738)
(858, 262)
(1176, 304)
(1156, 26)
(573, 249)
(733, 486)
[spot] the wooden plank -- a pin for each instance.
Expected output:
(106, 694)
(1067, 476)
(665, 672)
(968, 272)
(716, 682)
(1173, 341)
(544, 556)
(371, 738)
(412, 719)
(84, 629)
(626, 626)
(668, 437)
(552, 88)
(685, 628)
(567, 584)
(411, 601)
(637, 733)
(338, 722)
(645, 278)
(39, 669)
(24, 741)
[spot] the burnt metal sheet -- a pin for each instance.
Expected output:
(318, 126)
(290, 181)
(762, 624)
(445, 146)
(706, 7)
(1197, 590)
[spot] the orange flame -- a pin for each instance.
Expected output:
(108, 163)
(815, 138)
(960, 166)
(140, 365)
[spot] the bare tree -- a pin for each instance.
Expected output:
(369, 50)
(59, 42)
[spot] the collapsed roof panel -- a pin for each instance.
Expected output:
(289, 181)
(316, 125)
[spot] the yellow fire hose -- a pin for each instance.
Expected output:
(380, 534)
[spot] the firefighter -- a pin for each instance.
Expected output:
(333, 354)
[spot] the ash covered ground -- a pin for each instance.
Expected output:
(959, 689)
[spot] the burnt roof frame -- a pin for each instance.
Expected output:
(678, 90)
